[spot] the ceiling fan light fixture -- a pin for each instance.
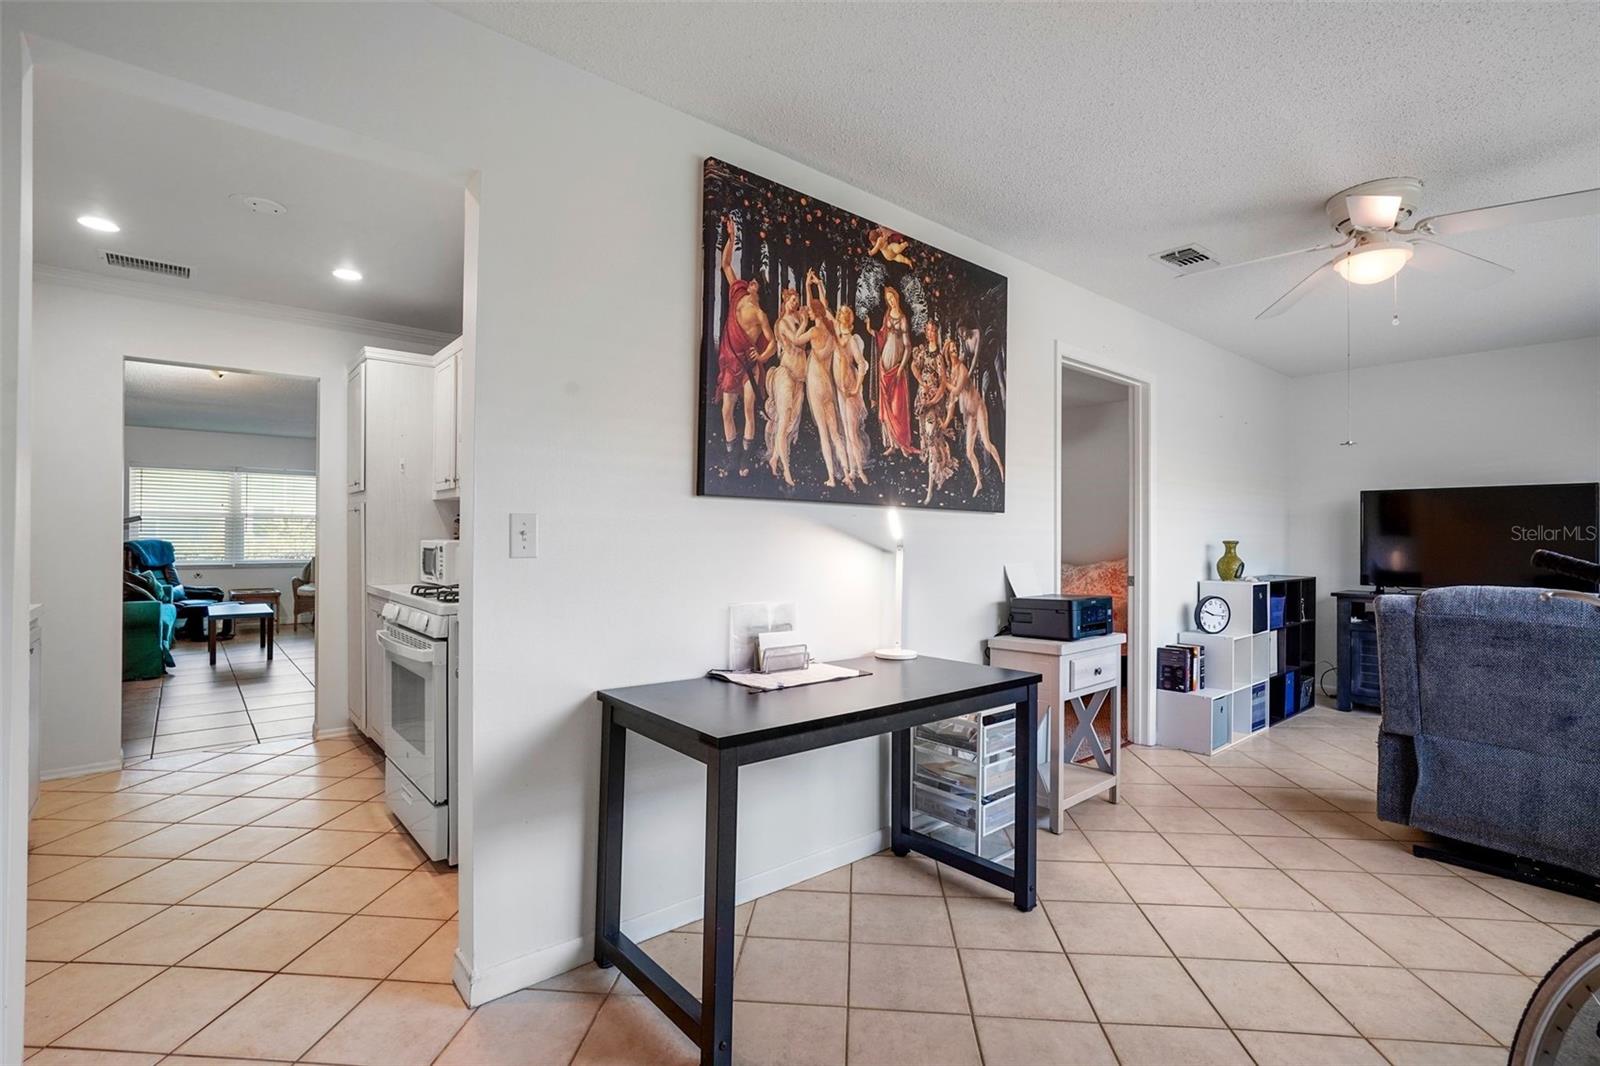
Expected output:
(1374, 262)
(1368, 212)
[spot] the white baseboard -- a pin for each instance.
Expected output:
(79, 771)
(334, 733)
(525, 970)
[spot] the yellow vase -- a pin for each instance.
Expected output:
(1230, 567)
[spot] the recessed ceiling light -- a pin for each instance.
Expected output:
(347, 273)
(98, 224)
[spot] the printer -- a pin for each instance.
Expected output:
(1059, 617)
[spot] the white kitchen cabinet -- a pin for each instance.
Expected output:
(399, 466)
(355, 539)
(392, 510)
(377, 680)
(356, 429)
(446, 381)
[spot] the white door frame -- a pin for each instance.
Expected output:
(1142, 718)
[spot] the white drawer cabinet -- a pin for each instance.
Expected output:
(1085, 677)
(1091, 670)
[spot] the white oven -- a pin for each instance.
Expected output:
(417, 739)
(437, 562)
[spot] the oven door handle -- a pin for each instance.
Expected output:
(406, 651)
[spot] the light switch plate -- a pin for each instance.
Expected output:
(524, 536)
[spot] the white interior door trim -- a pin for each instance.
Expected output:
(1141, 675)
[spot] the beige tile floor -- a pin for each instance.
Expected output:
(1244, 908)
(244, 699)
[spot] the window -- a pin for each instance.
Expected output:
(226, 516)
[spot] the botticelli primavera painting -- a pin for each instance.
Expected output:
(843, 361)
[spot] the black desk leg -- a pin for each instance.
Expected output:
(608, 876)
(900, 791)
(716, 989)
(1027, 797)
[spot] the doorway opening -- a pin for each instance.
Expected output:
(219, 557)
(1102, 536)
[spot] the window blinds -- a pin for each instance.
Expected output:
(227, 516)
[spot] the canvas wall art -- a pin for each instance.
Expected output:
(842, 361)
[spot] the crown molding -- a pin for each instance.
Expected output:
(378, 331)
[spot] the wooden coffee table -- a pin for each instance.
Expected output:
(233, 611)
(263, 595)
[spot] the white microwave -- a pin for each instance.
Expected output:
(439, 561)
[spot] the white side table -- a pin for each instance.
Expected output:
(1084, 675)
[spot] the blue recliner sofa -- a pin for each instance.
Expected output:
(158, 557)
(1491, 721)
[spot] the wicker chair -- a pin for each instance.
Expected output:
(303, 591)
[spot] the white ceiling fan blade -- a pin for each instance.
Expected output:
(1315, 279)
(1519, 213)
(1463, 268)
(1268, 259)
(1373, 213)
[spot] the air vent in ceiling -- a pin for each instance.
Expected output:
(149, 266)
(1189, 259)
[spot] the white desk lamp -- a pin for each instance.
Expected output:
(895, 651)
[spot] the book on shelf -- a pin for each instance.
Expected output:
(1180, 667)
(1197, 675)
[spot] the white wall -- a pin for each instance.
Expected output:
(1094, 482)
(155, 446)
(16, 301)
(584, 397)
(81, 337)
(1516, 416)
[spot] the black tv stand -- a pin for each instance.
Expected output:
(1356, 639)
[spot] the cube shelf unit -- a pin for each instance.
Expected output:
(1235, 702)
(1293, 616)
(1258, 672)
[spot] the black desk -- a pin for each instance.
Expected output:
(726, 726)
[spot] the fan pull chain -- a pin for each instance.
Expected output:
(1348, 441)
(1395, 321)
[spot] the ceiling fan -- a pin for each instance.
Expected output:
(1374, 247)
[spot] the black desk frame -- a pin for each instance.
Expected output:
(709, 1020)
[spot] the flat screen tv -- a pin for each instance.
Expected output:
(1427, 538)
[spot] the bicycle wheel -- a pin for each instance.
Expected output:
(1561, 1025)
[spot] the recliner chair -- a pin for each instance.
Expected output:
(151, 553)
(1491, 721)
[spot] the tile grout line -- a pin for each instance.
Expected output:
(234, 675)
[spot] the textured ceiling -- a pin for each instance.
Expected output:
(166, 175)
(164, 396)
(1085, 137)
